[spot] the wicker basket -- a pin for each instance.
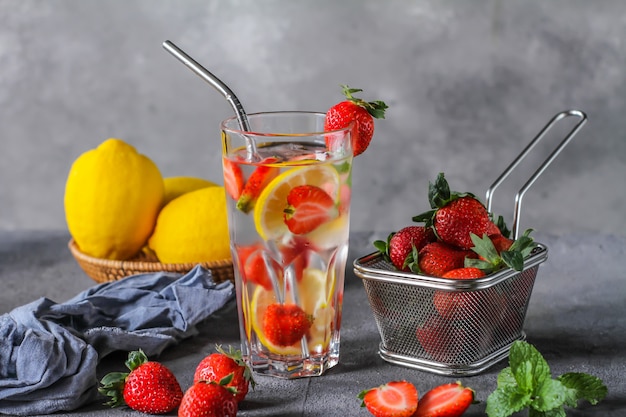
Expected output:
(105, 270)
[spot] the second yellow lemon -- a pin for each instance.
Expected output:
(177, 186)
(193, 228)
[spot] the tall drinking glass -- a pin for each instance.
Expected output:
(288, 184)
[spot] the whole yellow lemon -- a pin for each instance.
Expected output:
(177, 186)
(112, 198)
(193, 228)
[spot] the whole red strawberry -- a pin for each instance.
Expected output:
(308, 208)
(441, 339)
(393, 399)
(454, 216)
(447, 400)
(356, 110)
(150, 387)
(219, 365)
(285, 324)
(401, 245)
(437, 258)
(459, 304)
(208, 399)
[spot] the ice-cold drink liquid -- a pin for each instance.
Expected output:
(288, 211)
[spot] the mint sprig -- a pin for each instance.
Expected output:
(528, 384)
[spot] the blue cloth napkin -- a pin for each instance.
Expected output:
(49, 351)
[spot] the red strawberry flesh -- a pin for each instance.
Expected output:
(308, 208)
(395, 398)
(448, 400)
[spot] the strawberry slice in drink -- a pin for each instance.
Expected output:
(308, 208)
(233, 179)
(257, 181)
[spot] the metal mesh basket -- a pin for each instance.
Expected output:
(445, 326)
(457, 327)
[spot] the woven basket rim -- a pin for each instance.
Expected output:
(135, 264)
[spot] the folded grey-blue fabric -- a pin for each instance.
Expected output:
(49, 352)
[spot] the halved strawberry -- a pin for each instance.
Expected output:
(447, 400)
(308, 208)
(358, 111)
(285, 324)
(257, 181)
(233, 178)
(393, 399)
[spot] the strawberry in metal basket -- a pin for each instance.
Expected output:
(454, 216)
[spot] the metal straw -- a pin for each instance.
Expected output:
(222, 88)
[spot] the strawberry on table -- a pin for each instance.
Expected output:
(393, 399)
(454, 216)
(217, 366)
(359, 111)
(447, 400)
(308, 208)
(209, 399)
(285, 324)
(149, 387)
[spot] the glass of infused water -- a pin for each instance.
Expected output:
(288, 185)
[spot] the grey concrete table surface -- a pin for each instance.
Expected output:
(576, 318)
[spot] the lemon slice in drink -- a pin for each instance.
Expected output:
(268, 211)
(315, 293)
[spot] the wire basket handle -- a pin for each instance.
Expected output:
(541, 169)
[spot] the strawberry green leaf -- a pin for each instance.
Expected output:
(426, 218)
(439, 192)
(136, 358)
(502, 226)
(513, 259)
(483, 246)
(412, 261)
(375, 108)
(383, 247)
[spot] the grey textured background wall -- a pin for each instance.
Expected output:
(468, 83)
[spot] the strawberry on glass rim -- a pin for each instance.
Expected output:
(357, 111)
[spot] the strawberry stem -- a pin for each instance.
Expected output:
(375, 108)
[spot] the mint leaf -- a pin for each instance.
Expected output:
(549, 395)
(557, 412)
(505, 401)
(581, 386)
(527, 383)
(529, 368)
